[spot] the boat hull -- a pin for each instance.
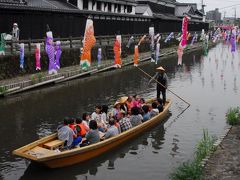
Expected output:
(79, 155)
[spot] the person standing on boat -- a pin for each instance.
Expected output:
(162, 78)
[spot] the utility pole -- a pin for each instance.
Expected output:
(203, 7)
(235, 13)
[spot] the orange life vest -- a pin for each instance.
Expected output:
(82, 130)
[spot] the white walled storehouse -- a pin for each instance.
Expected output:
(111, 6)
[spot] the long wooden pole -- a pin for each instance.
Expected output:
(163, 85)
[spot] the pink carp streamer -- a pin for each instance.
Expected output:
(183, 42)
(88, 43)
(38, 57)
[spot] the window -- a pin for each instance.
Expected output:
(85, 4)
(98, 6)
(109, 7)
(119, 8)
(129, 9)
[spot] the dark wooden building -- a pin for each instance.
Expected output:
(68, 18)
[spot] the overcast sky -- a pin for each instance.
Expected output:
(212, 4)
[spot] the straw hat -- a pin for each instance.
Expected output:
(160, 68)
(123, 99)
(116, 103)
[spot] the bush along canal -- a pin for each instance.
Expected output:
(224, 163)
(193, 169)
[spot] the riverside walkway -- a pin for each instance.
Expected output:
(225, 161)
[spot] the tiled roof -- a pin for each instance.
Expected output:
(141, 8)
(181, 10)
(11, 2)
(47, 4)
(119, 1)
(51, 4)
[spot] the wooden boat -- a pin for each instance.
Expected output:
(37, 151)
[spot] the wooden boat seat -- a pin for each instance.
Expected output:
(54, 144)
(40, 151)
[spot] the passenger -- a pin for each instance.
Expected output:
(160, 104)
(86, 119)
(97, 114)
(142, 102)
(112, 130)
(136, 101)
(116, 109)
(98, 118)
(71, 124)
(76, 139)
(135, 117)
(129, 104)
(92, 135)
(104, 113)
(80, 127)
(118, 118)
(123, 101)
(154, 110)
(125, 122)
(146, 114)
(65, 133)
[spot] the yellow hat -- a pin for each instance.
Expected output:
(116, 103)
(123, 99)
(160, 68)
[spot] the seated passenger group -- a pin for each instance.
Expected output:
(102, 124)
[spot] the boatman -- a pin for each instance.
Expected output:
(162, 79)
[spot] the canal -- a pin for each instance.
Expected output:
(210, 83)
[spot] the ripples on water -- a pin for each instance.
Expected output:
(210, 84)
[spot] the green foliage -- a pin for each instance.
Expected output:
(204, 146)
(188, 170)
(193, 170)
(39, 76)
(233, 116)
(33, 79)
(3, 89)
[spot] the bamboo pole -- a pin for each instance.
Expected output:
(163, 85)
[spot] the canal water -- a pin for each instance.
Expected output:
(210, 83)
